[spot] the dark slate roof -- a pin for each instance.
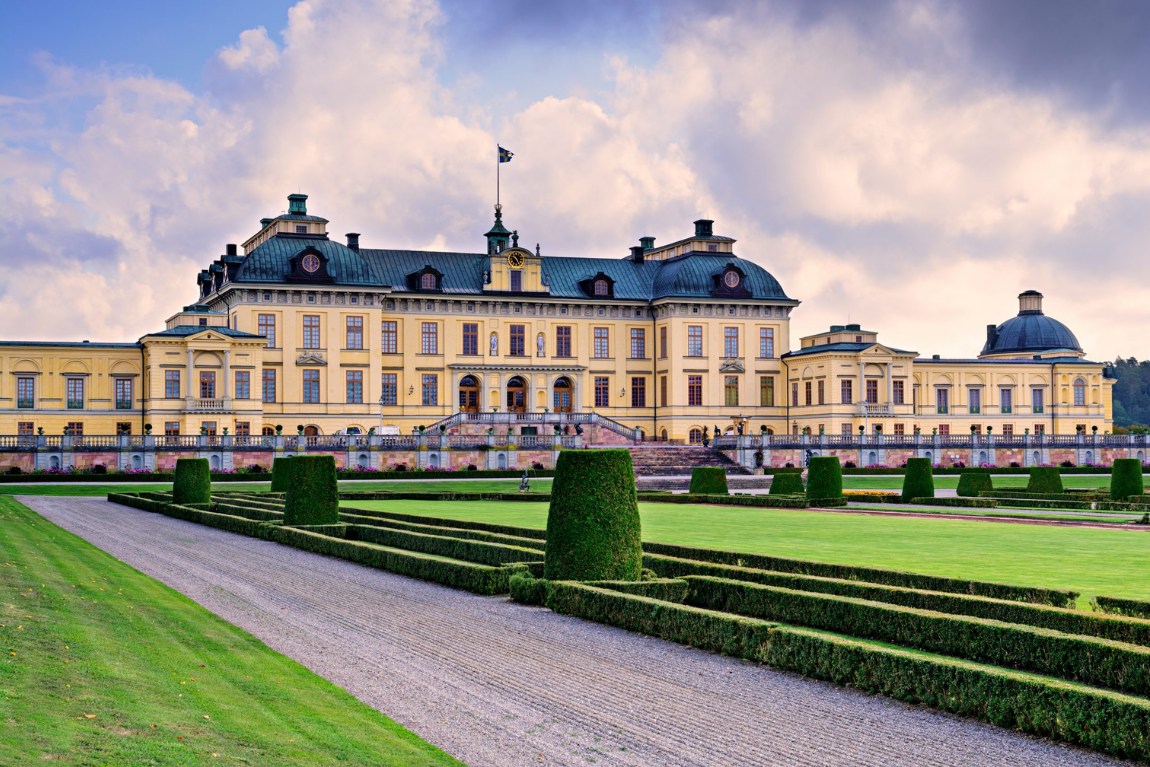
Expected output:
(1031, 331)
(269, 261)
(462, 272)
(297, 217)
(1008, 361)
(840, 346)
(190, 330)
(688, 276)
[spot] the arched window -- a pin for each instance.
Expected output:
(601, 287)
(428, 281)
(663, 435)
(695, 436)
(268, 431)
(1079, 391)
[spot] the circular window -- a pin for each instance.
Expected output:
(311, 262)
(731, 279)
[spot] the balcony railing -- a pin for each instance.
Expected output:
(26, 404)
(975, 409)
(942, 409)
(1037, 409)
(1007, 410)
(75, 404)
(206, 405)
(123, 404)
(875, 409)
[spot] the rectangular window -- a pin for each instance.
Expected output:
(795, 394)
(1036, 400)
(602, 345)
(516, 280)
(976, 428)
(208, 428)
(123, 428)
(944, 429)
(355, 387)
(431, 388)
(694, 340)
(899, 429)
(123, 393)
(269, 385)
(638, 392)
(390, 391)
(430, 338)
(355, 332)
(847, 391)
(662, 391)
(1008, 430)
(809, 393)
(470, 338)
(171, 428)
(1006, 400)
(731, 391)
(1079, 394)
(872, 391)
(942, 401)
(24, 428)
(767, 391)
(25, 392)
(517, 347)
(845, 430)
(563, 341)
(75, 393)
(638, 343)
(266, 326)
(207, 384)
(311, 387)
(975, 400)
(311, 331)
(243, 428)
(899, 392)
(767, 343)
(730, 342)
(602, 390)
(663, 342)
(243, 384)
(695, 391)
(389, 342)
(822, 392)
(74, 429)
(1039, 429)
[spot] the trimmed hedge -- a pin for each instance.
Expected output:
(1044, 479)
(399, 495)
(522, 532)
(663, 589)
(790, 483)
(964, 503)
(1120, 506)
(493, 554)
(1089, 660)
(313, 493)
(239, 510)
(193, 483)
(1023, 494)
(972, 483)
(824, 478)
(766, 501)
(1135, 608)
(918, 482)
(708, 480)
(1127, 479)
(281, 473)
(1027, 503)
(1032, 594)
(593, 522)
(1097, 719)
(526, 589)
(348, 515)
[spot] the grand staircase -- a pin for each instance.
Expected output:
(678, 461)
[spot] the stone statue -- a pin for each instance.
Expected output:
(525, 484)
(740, 428)
(486, 277)
(540, 345)
(494, 344)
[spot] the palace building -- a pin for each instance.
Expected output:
(299, 330)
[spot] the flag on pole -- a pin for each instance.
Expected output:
(504, 155)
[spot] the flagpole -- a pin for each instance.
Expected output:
(497, 164)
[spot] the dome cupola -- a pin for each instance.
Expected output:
(1030, 333)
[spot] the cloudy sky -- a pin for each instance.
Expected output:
(911, 165)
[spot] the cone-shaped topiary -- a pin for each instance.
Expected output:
(313, 492)
(708, 480)
(918, 482)
(824, 477)
(971, 483)
(787, 483)
(281, 473)
(193, 481)
(1126, 479)
(1044, 479)
(593, 521)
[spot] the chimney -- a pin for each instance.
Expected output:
(703, 228)
(353, 241)
(648, 243)
(1030, 302)
(231, 250)
(637, 253)
(936, 356)
(297, 203)
(991, 335)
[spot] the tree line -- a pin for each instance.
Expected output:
(1132, 396)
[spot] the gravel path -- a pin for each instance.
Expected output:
(495, 683)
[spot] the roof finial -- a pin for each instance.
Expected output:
(536, 250)
(515, 238)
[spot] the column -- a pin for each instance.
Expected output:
(227, 371)
(890, 385)
(190, 374)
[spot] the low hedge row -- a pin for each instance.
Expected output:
(242, 510)
(247, 500)
(356, 517)
(1135, 608)
(1068, 621)
(399, 495)
(1097, 719)
(1073, 497)
(855, 497)
(1141, 508)
(493, 554)
(1090, 660)
(1032, 594)
(962, 503)
(1026, 503)
(663, 589)
(522, 532)
(764, 501)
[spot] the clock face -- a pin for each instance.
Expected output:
(731, 279)
(515, 259)
(310, 262)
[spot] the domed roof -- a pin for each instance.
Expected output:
(695, 276)
(1030, 332)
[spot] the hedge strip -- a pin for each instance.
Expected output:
(1006, 591)
(522, 532)
(1104, 721)
(400, 495)
(1090, 660)
(262, 515)
(493, 554)
(1136, 608)
(1069, 497)
(962, 503)
(764, 501)
(454, 532)
(663, 589)
(1026, 503)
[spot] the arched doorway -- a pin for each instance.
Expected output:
(563, 395)
(695, 436)
(663, 435)
(311, 431)
(516, 395)
(468, 395)
(268, 431)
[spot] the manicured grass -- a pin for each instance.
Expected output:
(1089, 561)
(399, 486)
(950, 482)
(1019, 513)
(104, 665)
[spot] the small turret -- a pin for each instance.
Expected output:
(297, 203)
(498, 236)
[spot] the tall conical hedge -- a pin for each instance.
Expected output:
(193, 481)
(313, 492)
(787, 483)
(1126, 479)
(918, 482)
(971, 483)
(593, 530)
(824, 477)
(1044, 479)
(281, 474)
(708, 480)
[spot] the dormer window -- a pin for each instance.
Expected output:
(428, 281)
(601, 288)
(598, 285)
(301, 228)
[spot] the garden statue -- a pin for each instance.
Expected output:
(525, 484)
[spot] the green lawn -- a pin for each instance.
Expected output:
(408, 485)
(104, 665)
(1093, 562)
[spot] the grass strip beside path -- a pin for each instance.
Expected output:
(104, 665)
(100, 490)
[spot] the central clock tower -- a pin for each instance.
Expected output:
(510, 268)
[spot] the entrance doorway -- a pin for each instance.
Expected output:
(468, 395)
(311, 431)
(563, 395)
(516, 395)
